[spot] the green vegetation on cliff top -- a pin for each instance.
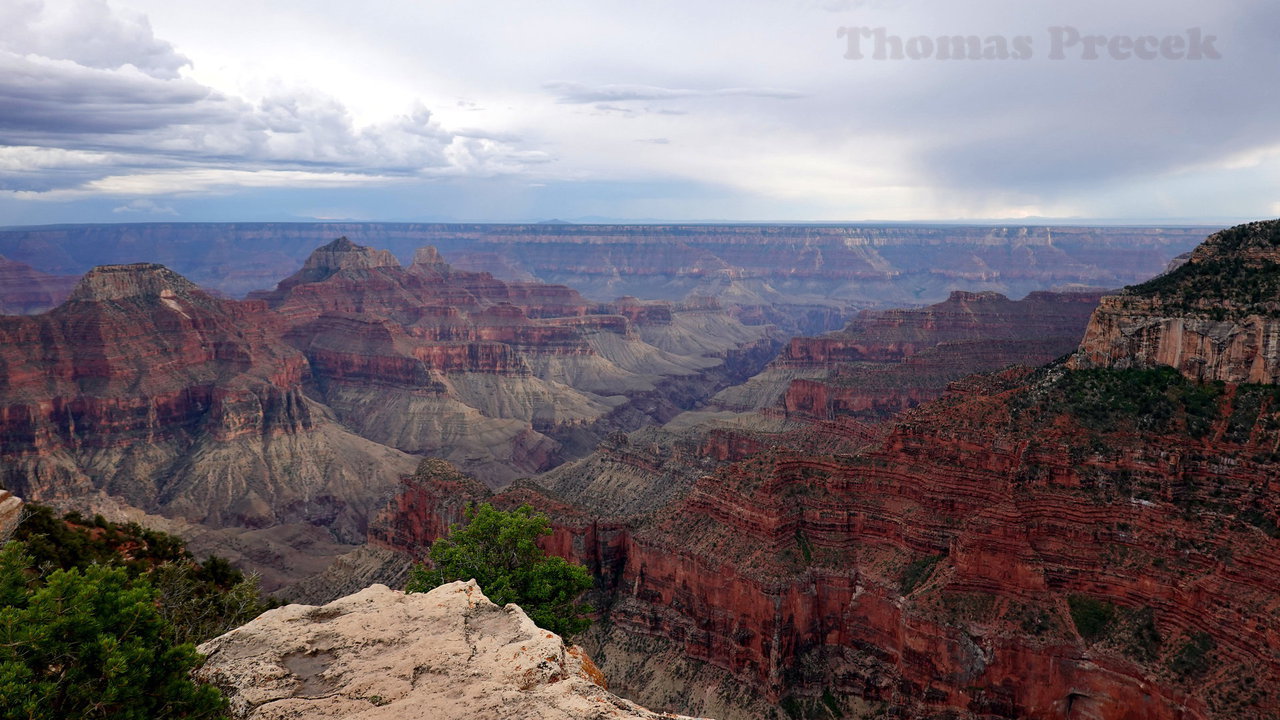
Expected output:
(1157, 400)
(499, 550)
(100, 620)
(1235, 273)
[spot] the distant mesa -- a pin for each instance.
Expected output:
(804, 278)
(137, 280)
(427, 257)
(342, 254)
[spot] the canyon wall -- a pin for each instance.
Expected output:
(805, 278)
(955, 566)
(887, 361)
(25, 290)
(142, 387)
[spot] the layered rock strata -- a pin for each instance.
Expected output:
(143, 387)
(504, 379)
(885, 362)
(25, 290)
(1069, 542)
(802, 277)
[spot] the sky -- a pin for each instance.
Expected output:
(706, 110)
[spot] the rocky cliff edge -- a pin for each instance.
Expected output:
(381, 653)
(1214, 317)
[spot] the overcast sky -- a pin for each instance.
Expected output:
(752, 110)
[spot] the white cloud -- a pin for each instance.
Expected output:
(88, 33)
(145, 206)
(25, 157)
(190, 181)
(92, 102)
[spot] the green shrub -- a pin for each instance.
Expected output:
(918, 571)
(1229, 279)
(1144, 637)
(91, 643)
(499, 551)
(1092, 617)
(198, 601)
(1155, 400)
(1192, 659)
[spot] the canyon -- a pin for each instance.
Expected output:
(1093, 538)
(503, 379)
(827, 394)
(854, 526)
(285, 420)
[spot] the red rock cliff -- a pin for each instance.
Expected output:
(1216, 317)
(146, 388)
(885, 362)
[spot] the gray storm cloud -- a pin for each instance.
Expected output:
(755, 101)
(82, 79)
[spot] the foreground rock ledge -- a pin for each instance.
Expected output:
(449, 653)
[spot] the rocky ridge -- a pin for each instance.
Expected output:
(804, 278)
(449, 653)
(1214, 317)
(10, 514)
(504, 379)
